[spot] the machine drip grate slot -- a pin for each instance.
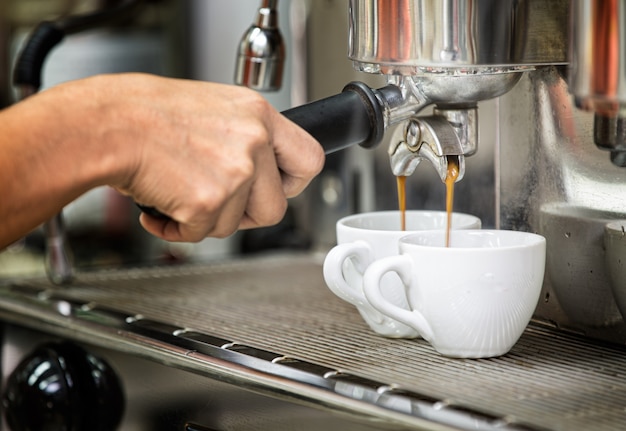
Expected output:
(251, 351)
(307, 367)
(354, 380)
(209, 340)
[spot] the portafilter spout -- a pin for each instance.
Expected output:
(449, 133)
(452, 129)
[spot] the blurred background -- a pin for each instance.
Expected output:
(198, 39)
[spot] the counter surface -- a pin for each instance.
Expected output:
(272, 325)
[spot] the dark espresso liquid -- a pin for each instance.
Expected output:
(451, 177)
(401, 182)
(453, 174)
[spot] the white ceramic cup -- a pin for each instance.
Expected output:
(364, 238)
(575, 263)
(615, 260)
(470, 300)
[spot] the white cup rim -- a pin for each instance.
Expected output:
(349, 221)
(616, 225)
(529, 240)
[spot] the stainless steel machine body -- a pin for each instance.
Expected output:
(407, 36)
(568, 94)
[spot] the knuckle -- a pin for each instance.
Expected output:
(319, 161)
(256, 100)
(315, 165)
(241, 170)
(222, 232)
(315, 160)
(200, 204)
(257, 138)
(275, 215)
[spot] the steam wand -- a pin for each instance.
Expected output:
(27, 78)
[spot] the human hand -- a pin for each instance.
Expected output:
(213, 158)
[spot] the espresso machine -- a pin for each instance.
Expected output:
(552, 92)
(559, 154)
(530, 89)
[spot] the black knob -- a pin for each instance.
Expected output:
(62, 387)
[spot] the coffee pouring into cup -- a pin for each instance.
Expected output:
(470, 300)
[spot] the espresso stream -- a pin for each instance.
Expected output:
(401, 181)
(451, 177)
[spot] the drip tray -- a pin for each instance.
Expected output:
(272, 325)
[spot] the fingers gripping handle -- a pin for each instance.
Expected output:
(353, 117)
(153, 212)
(372, 286)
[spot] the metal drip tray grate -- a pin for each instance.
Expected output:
(278, 309)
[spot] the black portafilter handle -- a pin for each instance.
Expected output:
(353, 117)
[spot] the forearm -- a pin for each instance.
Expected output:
(45, 161)
(212, 157)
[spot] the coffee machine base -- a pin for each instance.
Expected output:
(262, 343)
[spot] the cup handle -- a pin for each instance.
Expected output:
(333, 270)
(403, 266)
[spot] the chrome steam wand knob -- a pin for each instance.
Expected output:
(261, 53)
